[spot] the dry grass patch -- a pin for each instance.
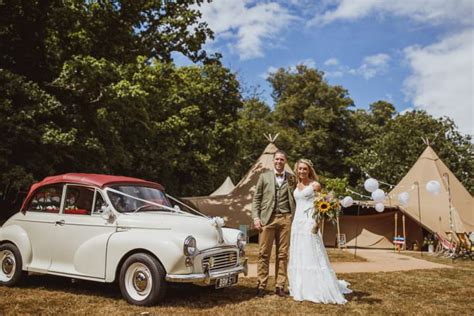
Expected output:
(462, 263)
(440, 291)
(335, 255)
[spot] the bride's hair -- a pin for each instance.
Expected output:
(312, 174)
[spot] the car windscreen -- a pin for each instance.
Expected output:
(131, 198)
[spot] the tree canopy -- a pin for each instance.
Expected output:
(90, 86)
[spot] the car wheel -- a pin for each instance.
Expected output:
(10, 265)
(142, 280)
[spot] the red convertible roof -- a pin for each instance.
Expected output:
(100, 180)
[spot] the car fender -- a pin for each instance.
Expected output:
(165, 245)
(18, 236)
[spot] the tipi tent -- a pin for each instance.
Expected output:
(235, 207)
(226, 187)
(374, 230)
(450, 209)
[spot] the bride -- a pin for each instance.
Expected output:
(310, 275)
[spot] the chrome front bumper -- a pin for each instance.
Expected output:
(207, 277)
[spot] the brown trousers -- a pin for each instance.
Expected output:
(278, 229)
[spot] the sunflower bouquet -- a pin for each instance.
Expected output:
(326, 207)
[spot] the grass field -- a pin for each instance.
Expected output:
(440, 291)
(335, 255)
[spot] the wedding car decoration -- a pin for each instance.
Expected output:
(117, 229)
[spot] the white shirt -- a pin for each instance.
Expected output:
(279, 179)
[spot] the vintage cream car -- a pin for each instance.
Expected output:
(108, 228)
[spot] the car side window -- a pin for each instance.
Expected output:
(47, 199)
(78, 200)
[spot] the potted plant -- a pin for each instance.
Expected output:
(428, 241)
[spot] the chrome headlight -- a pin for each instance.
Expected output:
(241, 241)
(190, 247)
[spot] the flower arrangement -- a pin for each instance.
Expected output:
(428, 240)
(326, 207)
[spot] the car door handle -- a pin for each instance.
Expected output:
(61, 222)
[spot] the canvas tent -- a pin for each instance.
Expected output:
(235, 207)
(374, 230)
(226, 187)
(371, 229)
(451, 209)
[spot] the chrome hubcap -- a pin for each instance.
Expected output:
(7, 260)
(7, 265)
(140, 281)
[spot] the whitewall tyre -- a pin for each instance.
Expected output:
(142, 280)
(10, 265)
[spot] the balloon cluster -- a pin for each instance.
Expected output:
(378, 195)
(433, 187)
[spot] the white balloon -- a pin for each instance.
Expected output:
(378, 196)
(347, 201)
(433, 187)
(404, 197)
(379, 207)
(371, 185)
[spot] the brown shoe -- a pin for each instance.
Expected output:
(260, 292)
(279, 291)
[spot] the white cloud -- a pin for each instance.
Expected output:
(442, 78)
(269, 71)
(309, 62)
(406, 111)
(334, 74)
(371, 66)
(389, 98)
(248, 25)
(425, 11)
(441, 81)
(331, 62)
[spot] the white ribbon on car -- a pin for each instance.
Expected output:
(219, 222)
(146, 201)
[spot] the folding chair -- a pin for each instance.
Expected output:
(445, 247)
(465, 246)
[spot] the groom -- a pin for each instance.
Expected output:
(272, 209)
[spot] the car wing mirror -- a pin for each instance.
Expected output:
(177, 208)
(108, 214)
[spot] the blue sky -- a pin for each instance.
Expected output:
(417, 54)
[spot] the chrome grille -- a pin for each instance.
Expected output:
(220, 260)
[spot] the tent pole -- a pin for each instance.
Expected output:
(419, 213)
(396, 231)
(357, 229)
(338, 233)
(404, 234)
(450, 205)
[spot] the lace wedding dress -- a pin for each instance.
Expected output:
(310, 275)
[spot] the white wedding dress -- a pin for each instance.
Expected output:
(310, 275)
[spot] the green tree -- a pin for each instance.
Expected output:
(254, 121)
(37, 37)
(313, 117)
(172, 125)
(89, 86)
(382, 112)
(393, 150)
